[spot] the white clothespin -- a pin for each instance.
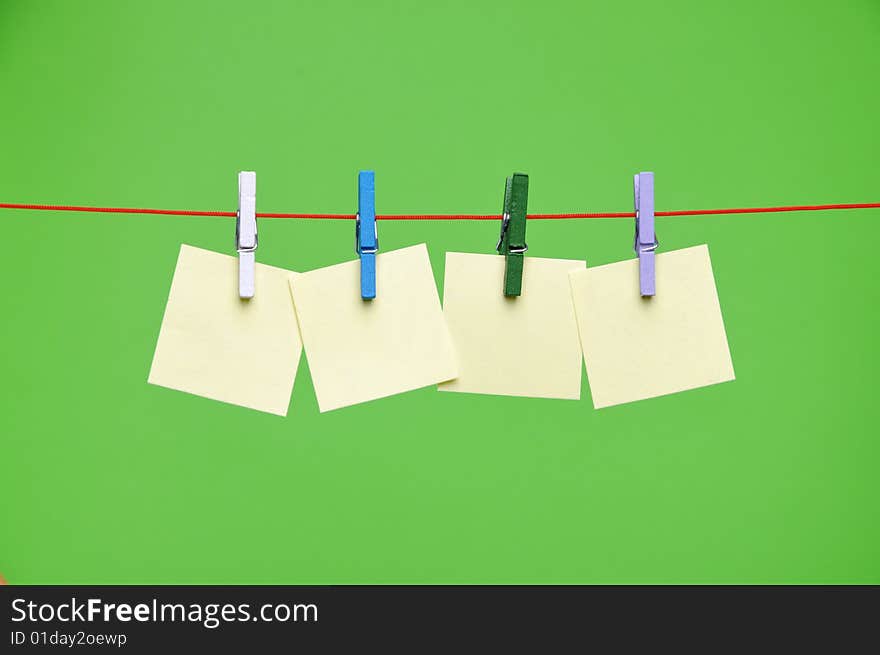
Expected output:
(246, 232)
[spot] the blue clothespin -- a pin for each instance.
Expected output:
(646, 239)
(365, 233)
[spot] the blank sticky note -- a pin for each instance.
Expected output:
(360, 350)
(522, 346)
(636, 348)
(214, 344)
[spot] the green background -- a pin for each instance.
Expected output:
(771, 478)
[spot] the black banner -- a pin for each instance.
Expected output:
(414, 619)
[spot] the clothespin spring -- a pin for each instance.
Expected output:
(644, 247)
(357, 238)
(239, 247)
(505, 223)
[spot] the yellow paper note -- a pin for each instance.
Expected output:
(636, 348)
(360, 350)
(523, 346)
(214, 344)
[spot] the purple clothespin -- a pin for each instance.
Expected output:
(646, 240)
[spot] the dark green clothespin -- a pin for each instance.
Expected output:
(512, 243)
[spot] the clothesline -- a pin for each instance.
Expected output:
(440, 217)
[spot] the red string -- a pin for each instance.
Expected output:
(443, 217)
(115, 210)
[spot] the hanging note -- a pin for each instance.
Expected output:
(637, 348)
(525, 345)
(361, 350)
(214, 344)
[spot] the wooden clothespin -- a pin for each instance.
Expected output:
(246, 232)
(646, 239)
(512, 242)
(365, 233)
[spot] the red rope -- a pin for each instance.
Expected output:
(769, 210)
(443, 217)
(114, 210)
